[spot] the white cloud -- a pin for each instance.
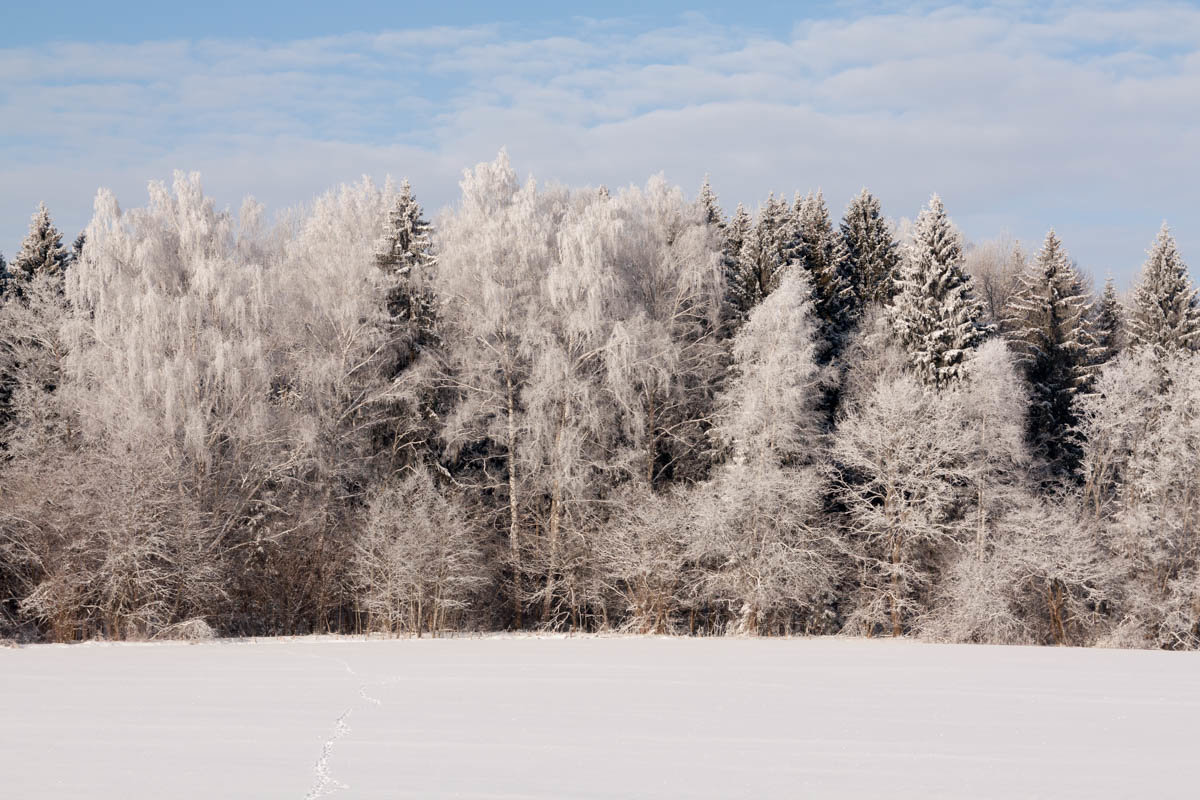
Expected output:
(1082, 118)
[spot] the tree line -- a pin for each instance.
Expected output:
(574, 409)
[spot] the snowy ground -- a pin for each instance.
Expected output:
(595, 717)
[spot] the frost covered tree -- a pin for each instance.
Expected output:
(584, 352)
(1165, 313)
(1142, 486)
(925, 476)
(1049, 324)
(32, 351)
(710, 206)
(761, 525)
(737, 231)
(42, 249)
(404, 253)
(665, 360)
(900, 466)
(644, 562)
(1044, 578)
(417, 564)
(77, 246)
(935, 314)
(254, 363)
(109, 544)
(823, 255)
(761, 259)
(1108, 325)
(5, 277)
(995, 268)
(872, 253)
(496, 249)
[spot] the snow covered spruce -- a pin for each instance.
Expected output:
(576, 409)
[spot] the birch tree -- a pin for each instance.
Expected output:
(762, 526)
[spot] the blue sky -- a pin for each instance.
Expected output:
(1022, 116)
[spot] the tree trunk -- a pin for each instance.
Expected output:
(897, 628)
(513, 530)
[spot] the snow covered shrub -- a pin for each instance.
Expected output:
(189, 630)
(1041, 578)
(642, 552)
(117, 549)
(417, 565)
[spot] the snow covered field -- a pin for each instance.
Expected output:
(595, 717)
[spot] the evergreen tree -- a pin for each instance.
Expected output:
(1108, 325)
(820, 251)
(709, 207)
(1166, 312)
(1050, 331)
(736, 231)
(4, 277)
(872, 252)
(42, 251)
(77, 248)
(761, 258)
(779, 226)
(935, 314)
(405, 254)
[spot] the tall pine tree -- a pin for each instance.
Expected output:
(737, 230)
(872, 253)
(1108, 325)
(710, 209)
(42, 250)
(761, 258)
(935, 314)
(1165, 316)
(819, 250)
(405, 254)
(1048, 318)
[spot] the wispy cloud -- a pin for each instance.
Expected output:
(1021, 116)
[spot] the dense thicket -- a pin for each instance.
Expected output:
(571, 409)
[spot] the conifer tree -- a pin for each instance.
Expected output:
(734, 235)
(1165, 316)
(820, 251)
(42, 250)
(4, 277)
(77, 248)
(405, 254)
(935, 314)
(871, 250)
(779, 227)
(736, 231)
(761, 258)
(709, 207)
(1108, 325)
(1051, 336)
